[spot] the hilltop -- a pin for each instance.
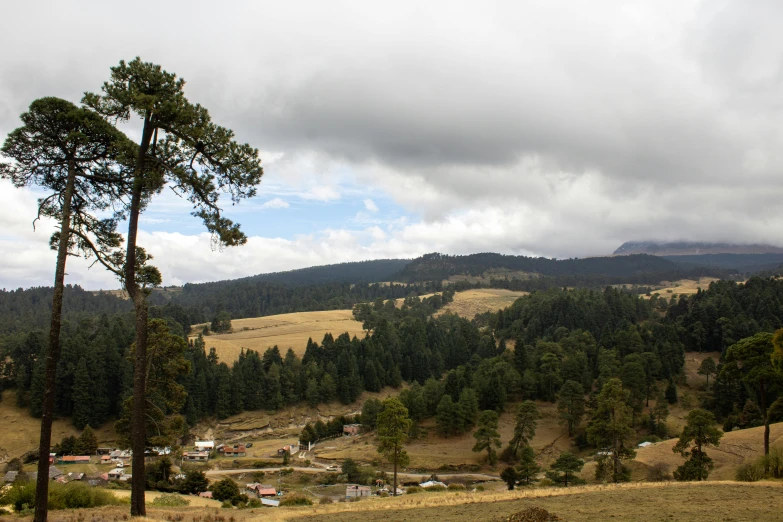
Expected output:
(692, 248)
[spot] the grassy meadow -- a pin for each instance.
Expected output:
(284, 330)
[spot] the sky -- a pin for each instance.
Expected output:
(394, 129)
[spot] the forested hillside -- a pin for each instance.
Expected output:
(594, 271)
(374, 271)
(24, 310)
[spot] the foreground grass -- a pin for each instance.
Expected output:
(692, 502)
(642, 502)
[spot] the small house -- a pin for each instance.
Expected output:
(350, 430)
(105, 459)
(10, 476)
(195, 456)
(235, 451)
(262, 490)
(354, 491)
(116, 474)
(205, 445)
(54, 473)
(271, 502)
(74, 459)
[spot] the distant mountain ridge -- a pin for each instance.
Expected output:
(692, 248)
(591, 271)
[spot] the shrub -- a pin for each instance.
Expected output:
(79, 495)
(750, 472)
(75, 495)
(21, 495)
(296, 500)
(658, 473)
(775, 461)
(254, 503)
(225, 490)
(479, 488)
(325, 500)
(413, 489)
(170, 500)
(456, 487)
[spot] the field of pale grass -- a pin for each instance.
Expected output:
(471, 302)
(642, 502)
(284, 331)
(20, 432)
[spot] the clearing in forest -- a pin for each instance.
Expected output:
(471, 302)
(284, 331)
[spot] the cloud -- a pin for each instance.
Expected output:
(370, 205)
(548, 128)
(275, 203)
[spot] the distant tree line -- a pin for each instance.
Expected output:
(639, 268)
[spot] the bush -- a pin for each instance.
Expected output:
(254, 503)
(413, 489)
(296, 500)
(170, 500)
(456, 487)
(750, 471)
(21, 495)
(658, 473)
(775, 461)
(325, 500)
(225, 490)
(74, 495)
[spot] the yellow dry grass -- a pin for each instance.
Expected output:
(735, 448)
(20, 432)
(682, 287)
(644, 502)
(284, 331)
(432, 451)
(149, 496)
(471, 302)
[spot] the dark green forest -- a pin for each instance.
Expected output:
(546, 340)
(633, 269)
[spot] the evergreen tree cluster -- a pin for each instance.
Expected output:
(715, 318)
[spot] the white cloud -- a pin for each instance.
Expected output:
(275, 203)
(370, 205)
(553, 128)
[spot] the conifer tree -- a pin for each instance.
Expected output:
(75, 156)
(699, 431)
(181, 147)
(525, 425)
(393, 428)
(487, 436)
(81, 396)
(610, 429)
(571, 405)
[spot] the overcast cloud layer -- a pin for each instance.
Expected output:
(546, 128)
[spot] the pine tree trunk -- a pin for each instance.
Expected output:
(138, 417)
(763, 397)
(53, 353)
(394, 492)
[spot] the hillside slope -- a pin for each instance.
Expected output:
(641, 269)
(735, 448)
